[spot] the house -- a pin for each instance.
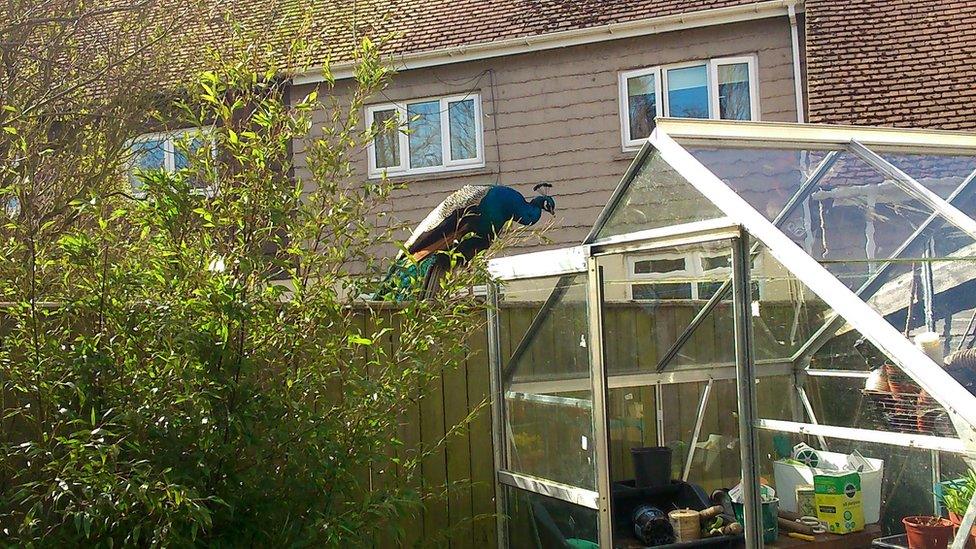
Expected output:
(521, 92)
(564, 93)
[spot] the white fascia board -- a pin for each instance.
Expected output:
(931, 377)
(577, 37)
(794, 135)
(539, 264)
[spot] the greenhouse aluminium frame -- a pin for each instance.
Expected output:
(741, 225)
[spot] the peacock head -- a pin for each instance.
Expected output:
(544, 201)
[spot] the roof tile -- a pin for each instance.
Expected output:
(892, 62)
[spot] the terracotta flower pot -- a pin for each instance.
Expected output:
(927, 532)
(956, 521)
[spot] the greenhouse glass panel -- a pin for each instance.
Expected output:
(546, 381)
(856, 215)
(940, 173)
(715, 461)
(767, 178)
(651, 297)
(656, 196)
(534, 521)
(785, 312)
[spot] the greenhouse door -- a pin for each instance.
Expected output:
(668, 316)
(544, 430)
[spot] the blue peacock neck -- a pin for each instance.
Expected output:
(528, 213)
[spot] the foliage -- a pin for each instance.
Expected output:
(957, 496)
(184, 365)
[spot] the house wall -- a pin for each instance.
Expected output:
(552, 116)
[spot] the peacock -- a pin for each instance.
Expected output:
(466, 222)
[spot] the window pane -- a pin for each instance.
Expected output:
(688, 92)
(733, 92)
(647, 266)
(641, 105)
(716, 262)
(464, 142)
(146, 155)
(425, 134)
(662, 290)
(386, 144)
(548, 401)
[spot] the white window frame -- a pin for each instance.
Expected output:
(752, 62)
(624, 98)
(169, 139)
(661, 91)
(693, 274)
(403, 139)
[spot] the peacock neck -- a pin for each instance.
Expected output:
(527, 214)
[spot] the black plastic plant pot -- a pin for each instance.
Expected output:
(652, 466)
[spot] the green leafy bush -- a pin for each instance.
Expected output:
(957, 496)
(185, 365)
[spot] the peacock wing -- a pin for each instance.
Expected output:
(449, 221)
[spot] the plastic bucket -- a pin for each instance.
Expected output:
(652, 466)
(770, 516)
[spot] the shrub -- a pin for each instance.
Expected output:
(183, 367)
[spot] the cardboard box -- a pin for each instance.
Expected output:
(790, 475)
(838, 499)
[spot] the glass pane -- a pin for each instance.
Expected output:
(734, 102)
(903, 486)
(765, 177)
(147, 155)
(425, 134)
(464, 143)
(641, 105)
(647, 266)
(716, 461)
(645, 314)
(386, 144)
(547, 382)
(535, 521)
(855, 216)
(633, 423)
(688, 92)
(876, 394)
(656, 197)
(940, 173)
(785, 312)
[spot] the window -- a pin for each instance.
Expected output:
(696, 275)
(717, 88)
(688, 91)
(735, 96)
(440, 135)
(164, 151)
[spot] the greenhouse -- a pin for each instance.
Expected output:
(757, 303)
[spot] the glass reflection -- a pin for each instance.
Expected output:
(464, 143)
(688, 92)
(548, 403)
(425, 134)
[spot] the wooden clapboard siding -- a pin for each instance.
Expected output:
(553, 116)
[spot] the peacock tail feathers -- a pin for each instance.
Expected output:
(403, 277)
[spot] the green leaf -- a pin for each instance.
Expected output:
(359, 340)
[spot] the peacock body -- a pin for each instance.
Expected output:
(465, 223)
